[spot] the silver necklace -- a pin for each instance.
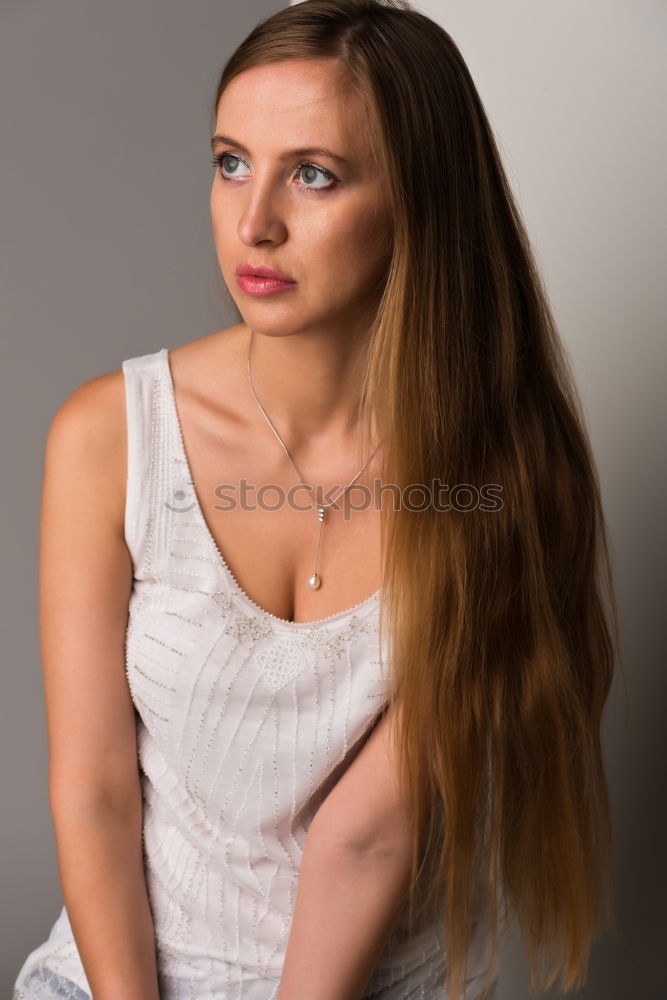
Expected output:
(314, 580)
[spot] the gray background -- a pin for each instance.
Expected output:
(107, 254)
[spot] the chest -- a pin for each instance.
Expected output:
(264, 522)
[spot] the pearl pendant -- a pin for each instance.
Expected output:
(314, 581)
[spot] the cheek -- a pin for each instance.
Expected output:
(373, 238)
(218, 214)
(353, 244)
(221, 217)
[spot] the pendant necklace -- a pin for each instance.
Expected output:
(314, 581)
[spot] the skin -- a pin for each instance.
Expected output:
(331, 236)
(306, 351)
(305, 370)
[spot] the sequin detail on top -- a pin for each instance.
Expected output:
(244, 723)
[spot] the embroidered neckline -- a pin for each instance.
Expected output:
(336, 617)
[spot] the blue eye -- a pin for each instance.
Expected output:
(316, 170)
(218, 160)
(313, 168)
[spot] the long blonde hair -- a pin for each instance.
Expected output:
(503, 617)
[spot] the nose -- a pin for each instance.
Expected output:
(261, 217)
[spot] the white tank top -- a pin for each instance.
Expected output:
(244, 722)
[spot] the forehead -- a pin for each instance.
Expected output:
(299, 102)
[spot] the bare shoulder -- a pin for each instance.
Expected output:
(87, 436)
(95, 404)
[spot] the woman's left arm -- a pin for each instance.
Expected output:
(353, 880)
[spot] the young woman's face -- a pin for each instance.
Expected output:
(327, 226)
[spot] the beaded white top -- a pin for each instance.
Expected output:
(244, 722)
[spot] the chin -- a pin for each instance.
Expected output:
(267, 323)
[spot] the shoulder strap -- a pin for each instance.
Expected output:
(147, 448)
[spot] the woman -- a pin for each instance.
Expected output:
(391, 430)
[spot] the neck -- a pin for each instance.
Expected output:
(309, 385)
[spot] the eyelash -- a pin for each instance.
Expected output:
(219, 157)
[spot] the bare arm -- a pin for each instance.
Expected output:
(94, 789)
(353, 880)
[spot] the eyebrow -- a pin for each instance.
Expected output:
(220, 140)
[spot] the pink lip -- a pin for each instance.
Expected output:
(262, 286)
(261, 271)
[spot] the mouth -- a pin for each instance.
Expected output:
(254, 284)
(262, 271)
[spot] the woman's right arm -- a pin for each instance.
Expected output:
(85, 580)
